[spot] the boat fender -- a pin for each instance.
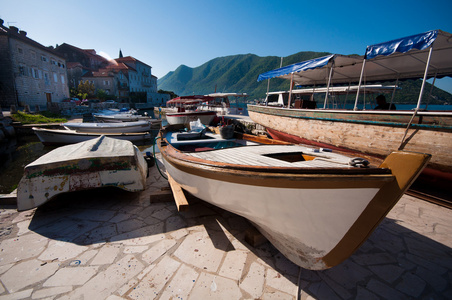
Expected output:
(358, 162)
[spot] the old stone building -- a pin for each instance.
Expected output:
(80, 62)
(30, 73)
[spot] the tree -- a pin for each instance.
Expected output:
(85, 89)
(171, 93)
(102, 95)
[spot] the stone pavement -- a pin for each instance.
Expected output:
(110, 244)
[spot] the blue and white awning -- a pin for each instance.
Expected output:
(403, 58)
(402, 45)
(298, 67)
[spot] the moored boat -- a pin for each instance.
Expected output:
(316, 206)
(187, 111)
(96, 163)
(65, 136)
(119, 127)
(375, 132)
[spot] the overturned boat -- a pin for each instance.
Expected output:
(316, 206)
(100, 162)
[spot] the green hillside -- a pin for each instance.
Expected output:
(238, 73)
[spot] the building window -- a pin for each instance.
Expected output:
(55, 77)
(34, 73)
(43, 58)
(106, 82)
(47, 78)
(21, 70)
(20, 50)
(62, 79)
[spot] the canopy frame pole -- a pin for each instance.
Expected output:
(359, 85)
(393, 92)
(290, 90)
(328, 86)
(431, 90)
(425, 78)
(268, 88)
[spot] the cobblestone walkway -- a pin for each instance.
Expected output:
(114, 245)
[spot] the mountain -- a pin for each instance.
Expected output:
(238, 73)
(235, 73)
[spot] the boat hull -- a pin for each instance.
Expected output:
(374, 133)
(206, 117)
(64, 137)
(120, 127)
(316, 217)
(98, 163)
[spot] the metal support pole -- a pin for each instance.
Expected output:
(359, 85)
(290, 90)
(425, 78)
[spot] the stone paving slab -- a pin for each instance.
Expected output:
(111, 244)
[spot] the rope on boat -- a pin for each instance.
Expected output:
(156, 162)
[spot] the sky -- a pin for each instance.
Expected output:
(168, 33)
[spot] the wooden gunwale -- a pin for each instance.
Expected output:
(280, 177)
(422, 120)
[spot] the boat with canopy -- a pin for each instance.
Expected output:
(421, 56)
(186, 110)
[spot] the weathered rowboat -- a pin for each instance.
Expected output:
(119, 127)
(65, 136)
(426, 55)
(99, 162)
(317, 207)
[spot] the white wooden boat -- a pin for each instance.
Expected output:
(120, 127)
(372, 132)
(123, 117)
(96, 163)
(65, 136)
(317, 207)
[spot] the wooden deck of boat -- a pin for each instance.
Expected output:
(260, 155)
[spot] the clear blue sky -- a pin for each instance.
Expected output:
(167, 33)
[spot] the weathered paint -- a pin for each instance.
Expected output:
(81, 167)
(377, 139)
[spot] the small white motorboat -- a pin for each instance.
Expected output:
(65, 136)
(99, 162)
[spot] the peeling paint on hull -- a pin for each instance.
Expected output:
(93, 164)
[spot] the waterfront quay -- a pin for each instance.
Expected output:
(110, 244)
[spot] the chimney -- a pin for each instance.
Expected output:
(23, 33)
(14, 28)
